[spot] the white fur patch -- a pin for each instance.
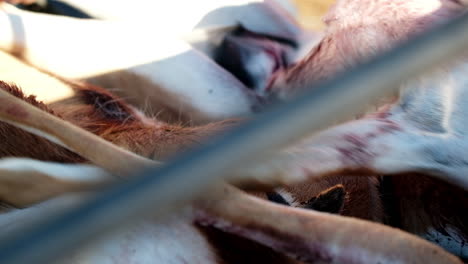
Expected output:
(287, 196)
(70, 172)
(171, 241)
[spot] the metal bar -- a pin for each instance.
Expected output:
(158, 190)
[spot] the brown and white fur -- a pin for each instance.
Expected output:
(421, 134)
(428, 115)
(206, 92)
(332, 152)
(307, 236)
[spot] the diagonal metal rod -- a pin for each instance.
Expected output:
(161, 190)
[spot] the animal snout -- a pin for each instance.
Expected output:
(254, 58)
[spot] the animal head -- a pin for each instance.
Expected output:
(357, 31)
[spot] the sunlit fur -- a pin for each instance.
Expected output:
(358, 30)
(431, 107)
(103, 114)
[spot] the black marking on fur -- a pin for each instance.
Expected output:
(276, 198)
(108, 105)
(55, 7)
(331, 200)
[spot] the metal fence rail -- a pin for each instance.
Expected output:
(160, 190)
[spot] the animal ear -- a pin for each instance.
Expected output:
(331, 200)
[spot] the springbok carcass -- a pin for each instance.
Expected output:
(306, 235)
(419, 135)
(145, 78)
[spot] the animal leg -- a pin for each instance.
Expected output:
(314, 237)
(370, 145)
(55, 44)
(102, 153)
(263, 17)
(24, 182)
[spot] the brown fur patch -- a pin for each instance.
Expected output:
(31, 99)
(423, 202)
(362, 199)
(15, 142)
(108, 116)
